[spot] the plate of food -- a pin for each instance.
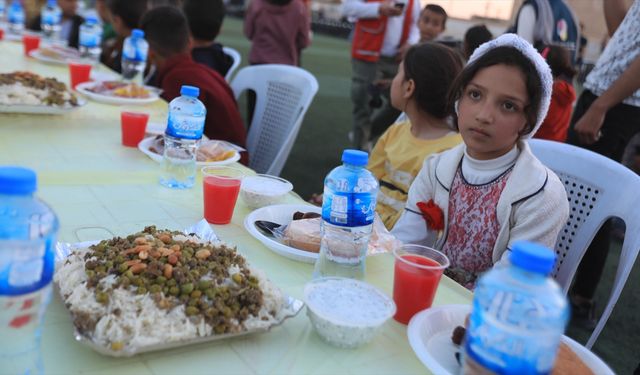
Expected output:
(210, 152)
(161, 289)
(118, 92)
(55, 54)
(293, 231)
(431, 335)
(26, 92)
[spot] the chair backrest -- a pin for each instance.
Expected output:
(283, 95)
(598, 188)
(237, 58)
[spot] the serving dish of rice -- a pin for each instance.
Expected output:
(158, 289)
(25, 92)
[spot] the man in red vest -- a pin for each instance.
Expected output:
(383, 31)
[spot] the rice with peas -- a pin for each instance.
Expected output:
(117, 316)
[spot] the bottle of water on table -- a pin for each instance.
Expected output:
(3, 12)
(50, 19)
(28, 229)
(518, 317)
(134, 56)
(90, 38)
(181, 139)
(348, 210)
(15, 17)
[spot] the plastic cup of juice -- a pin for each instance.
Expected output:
(417, 273)
(80, 72)
(30, 42)
(220, 186)
(133, 125)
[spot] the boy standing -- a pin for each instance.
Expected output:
(167, 32)
(432, 22)
(205, 20)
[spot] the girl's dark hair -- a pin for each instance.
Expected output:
(130, 11)
(433, 67)
(279, 2)
(559, 61)
(508, 56)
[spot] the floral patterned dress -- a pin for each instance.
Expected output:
(472, 227)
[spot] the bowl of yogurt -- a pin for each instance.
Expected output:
(263, 190)
(345, 312)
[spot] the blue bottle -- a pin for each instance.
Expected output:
(90, 38)
(519, 315)
(16, 17)
(134, 56)
(50, 19)
(28, 230)
(3, 12)
(348, 210)
(181, 139)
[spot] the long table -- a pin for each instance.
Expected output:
(97, 187)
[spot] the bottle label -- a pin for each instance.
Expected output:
(184, 126)
(135, 50)
(16, 17)
(89, 39)
(51, 18)
(498, 344)
(348, 209)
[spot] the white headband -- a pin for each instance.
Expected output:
(512, 40)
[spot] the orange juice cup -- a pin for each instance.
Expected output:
(134, 125)
(416, 277)
(80, 72)
(30, 42)
(220, 186)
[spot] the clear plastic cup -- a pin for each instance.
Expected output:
(80, 72)
(30, 42)
(220, 187)
(417, 273)
(134, 126)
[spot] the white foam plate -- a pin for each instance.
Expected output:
(280, 213)
(145, 144)
(82, 88)
(38, 55)
(40, 109)
(429, 333)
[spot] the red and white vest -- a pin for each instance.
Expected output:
(369, 34)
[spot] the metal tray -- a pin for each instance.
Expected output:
(292, 306)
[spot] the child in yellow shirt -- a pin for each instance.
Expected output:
(419, 90)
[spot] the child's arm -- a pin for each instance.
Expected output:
(540, 218)
(412, 227)
(303, 36)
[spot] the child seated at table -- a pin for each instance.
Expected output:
(205, 20)
(481, 196)
(420, 90)
(125, 16)
(167, 32)
(70, 22)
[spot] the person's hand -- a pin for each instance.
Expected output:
(388, 8)
(588, 126)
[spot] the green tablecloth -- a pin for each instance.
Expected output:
(97, 186)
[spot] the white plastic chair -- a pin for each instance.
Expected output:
(237, 58)
(598, 188)
(283, 95)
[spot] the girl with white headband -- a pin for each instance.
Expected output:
(473, 201)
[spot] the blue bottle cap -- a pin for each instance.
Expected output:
(52, 3)
(17, 180)
(190, 91)
(355, 157)
(137, 33)
(532, 257)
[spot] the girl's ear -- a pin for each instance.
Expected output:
(409, 89)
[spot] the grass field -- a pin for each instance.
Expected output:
(323, 136)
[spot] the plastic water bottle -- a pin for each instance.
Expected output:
(3, 12)
(50, 19)
(134, 56)
(181, 139)
(28, 231)
(90, 38)
(15, 17)
(519, 315)
(348, 210)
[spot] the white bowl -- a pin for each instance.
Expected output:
(263, 190)
(345, 312)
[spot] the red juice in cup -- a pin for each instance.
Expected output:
(30, 43)
(220, 195)
(133, 125)
(79, 73)
(417, 273)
